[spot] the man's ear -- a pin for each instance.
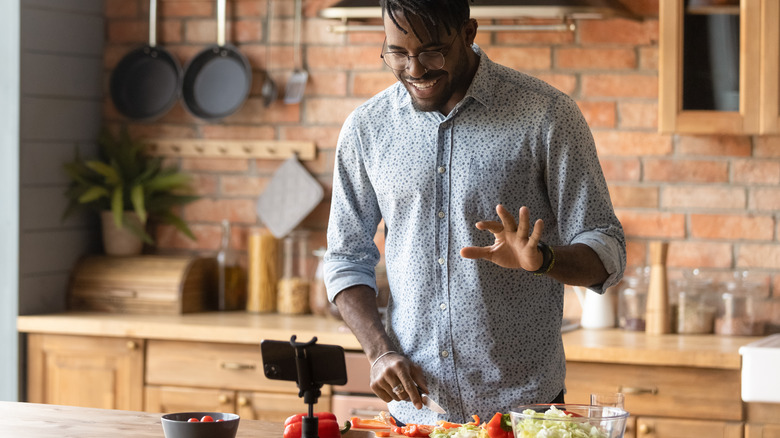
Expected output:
(470, 30)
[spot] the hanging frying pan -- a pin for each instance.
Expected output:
(217, 81)
(146, 82)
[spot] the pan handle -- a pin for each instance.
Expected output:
(221, 5)
(152, 23)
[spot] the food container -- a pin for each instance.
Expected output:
(742, 310)
(294, 285)
(760, 379)
(693, 306)
(263, 272)
(632, 302)
(177, 426)
(318, 300)
(568, 420)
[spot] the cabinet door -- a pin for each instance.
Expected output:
(762, 430)
(168, 399)
(274, 407)
(709, 68)
(648, 427)
(86, 371)
(770, 68)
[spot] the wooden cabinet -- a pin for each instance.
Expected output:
(191, 376)
(763, 420)
(650, 427)
(664, 401)
(718, 67)
(86, 371)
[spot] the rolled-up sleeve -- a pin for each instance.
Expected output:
(352, 254)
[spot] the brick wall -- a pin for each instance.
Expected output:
(715, 198)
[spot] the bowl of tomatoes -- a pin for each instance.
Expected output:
(200, 425)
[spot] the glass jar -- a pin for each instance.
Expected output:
(292, 291)
(231, 289)
(693, 304)
(318, 300)
(632, 301)
(742, 310)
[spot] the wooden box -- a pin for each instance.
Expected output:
(146, 284)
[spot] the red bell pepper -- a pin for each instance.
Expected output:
(327, 426)
(500, 426)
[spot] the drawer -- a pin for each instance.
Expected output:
(358, 374)
(275, 407)
(348, 406)
(648, 427)
(678, 392)
(211, 365)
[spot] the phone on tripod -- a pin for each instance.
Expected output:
(326, 362)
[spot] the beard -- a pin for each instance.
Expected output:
(456, 82)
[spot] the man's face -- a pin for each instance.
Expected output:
(433, 90)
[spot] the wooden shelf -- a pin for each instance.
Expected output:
(253, 149)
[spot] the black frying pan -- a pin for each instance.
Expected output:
(146, 82)
(217, 81)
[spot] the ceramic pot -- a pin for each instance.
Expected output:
(120, 241)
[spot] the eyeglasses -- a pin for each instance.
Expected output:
(431, 60)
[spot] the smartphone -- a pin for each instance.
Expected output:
(326, 362)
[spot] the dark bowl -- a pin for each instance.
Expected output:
(177, 426)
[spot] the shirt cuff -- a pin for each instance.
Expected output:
(609, 250)
(340, 275)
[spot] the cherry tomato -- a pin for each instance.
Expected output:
(193, 420)
(220, 420)
(207, 418)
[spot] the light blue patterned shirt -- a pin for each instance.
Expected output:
(488, 338)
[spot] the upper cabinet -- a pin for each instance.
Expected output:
(719, 66)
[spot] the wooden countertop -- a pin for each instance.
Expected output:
(608, 346)
(32, 420)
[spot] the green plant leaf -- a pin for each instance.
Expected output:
(137, 198)
(110, 173)
(93, 193)
(178, 223)
(167, 182)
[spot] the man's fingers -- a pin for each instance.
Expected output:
(475, 252)
(492, 226)
(506, 218)
(536, 235)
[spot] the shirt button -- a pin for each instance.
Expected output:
(441, 214)
(445, 353)
(441, 169)
(443, 306)
(441, 261)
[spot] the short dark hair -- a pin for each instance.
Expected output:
(450, 13)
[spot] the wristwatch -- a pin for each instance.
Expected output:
(548, 258)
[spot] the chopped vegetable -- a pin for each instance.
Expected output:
(500, 426)
(549, 425)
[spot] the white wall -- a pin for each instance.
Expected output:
(9, 199)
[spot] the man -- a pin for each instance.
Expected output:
(474, 313)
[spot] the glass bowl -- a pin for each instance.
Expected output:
(564, 420)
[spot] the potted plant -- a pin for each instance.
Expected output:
(127, 187)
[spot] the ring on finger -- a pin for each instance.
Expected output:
(398, 389)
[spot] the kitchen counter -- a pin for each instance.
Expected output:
(33, 420)
(608, 346)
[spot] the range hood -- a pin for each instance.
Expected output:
(563, 10)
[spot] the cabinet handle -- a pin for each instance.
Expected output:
(132, 345)
(242, 401)
(237, 366)
(644, 429)
(223, 399)
(637, 390)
